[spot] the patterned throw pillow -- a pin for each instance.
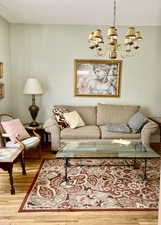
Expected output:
(74, 120)
(59, 116)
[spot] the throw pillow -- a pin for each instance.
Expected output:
(137, 121)
(16, 129)
(73, 119)
(59, 116)
(118, 127)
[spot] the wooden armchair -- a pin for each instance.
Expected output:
(28, 143)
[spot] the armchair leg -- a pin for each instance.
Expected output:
(22, 163)
(11, 179)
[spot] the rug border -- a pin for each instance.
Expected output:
(31, 186)
(21, 210)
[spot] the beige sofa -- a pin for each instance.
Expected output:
(96, 118)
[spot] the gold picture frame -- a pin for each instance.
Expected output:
(97, 78)
(1, 69)
(1, 90)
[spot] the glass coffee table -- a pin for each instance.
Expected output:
(116, 149)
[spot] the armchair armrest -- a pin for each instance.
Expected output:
(148, 129)
(7, 135)
(51, 126)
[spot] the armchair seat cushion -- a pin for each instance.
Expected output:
(29, 143)
(86, 132)
(116, 135)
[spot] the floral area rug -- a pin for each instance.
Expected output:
(93, 187)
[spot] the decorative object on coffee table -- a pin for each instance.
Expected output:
(97, 78)
(33, 87)
(1, 90)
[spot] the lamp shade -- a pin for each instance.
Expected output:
(33, 87)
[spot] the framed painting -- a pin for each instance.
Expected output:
(1, 90)
(97, 78)
(1, 69)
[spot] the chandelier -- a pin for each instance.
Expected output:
(111, 48)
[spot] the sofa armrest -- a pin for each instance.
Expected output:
(51, 126)
(50, 123)
(148, 129)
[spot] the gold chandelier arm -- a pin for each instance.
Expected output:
(100, 52)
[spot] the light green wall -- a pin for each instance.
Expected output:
(5, 104)
(47, 52)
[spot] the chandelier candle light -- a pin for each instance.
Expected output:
(112, 48)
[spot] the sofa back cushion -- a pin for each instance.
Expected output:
(115, 113)
(87, 113)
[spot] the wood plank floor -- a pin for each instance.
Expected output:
(9, 205)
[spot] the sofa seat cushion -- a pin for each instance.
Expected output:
(115, 135)
(86, 132)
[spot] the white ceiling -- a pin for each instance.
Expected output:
(129, 12)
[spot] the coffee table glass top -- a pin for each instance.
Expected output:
(110, 149)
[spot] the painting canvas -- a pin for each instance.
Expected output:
(97, 78)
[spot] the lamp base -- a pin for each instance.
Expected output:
(34, 109)
(34, 124)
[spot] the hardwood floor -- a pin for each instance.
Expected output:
(9, 205)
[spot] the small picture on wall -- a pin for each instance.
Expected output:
(1, 69)
(97, 78)
(1, 90)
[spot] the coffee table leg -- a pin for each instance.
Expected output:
(136, 164)
(11, 179)
(145, 166)
(66, 170)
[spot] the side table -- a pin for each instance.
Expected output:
(9, 156)
(40, 130)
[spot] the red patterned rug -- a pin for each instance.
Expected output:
(93, 187)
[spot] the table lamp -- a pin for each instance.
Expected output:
(33, 87)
